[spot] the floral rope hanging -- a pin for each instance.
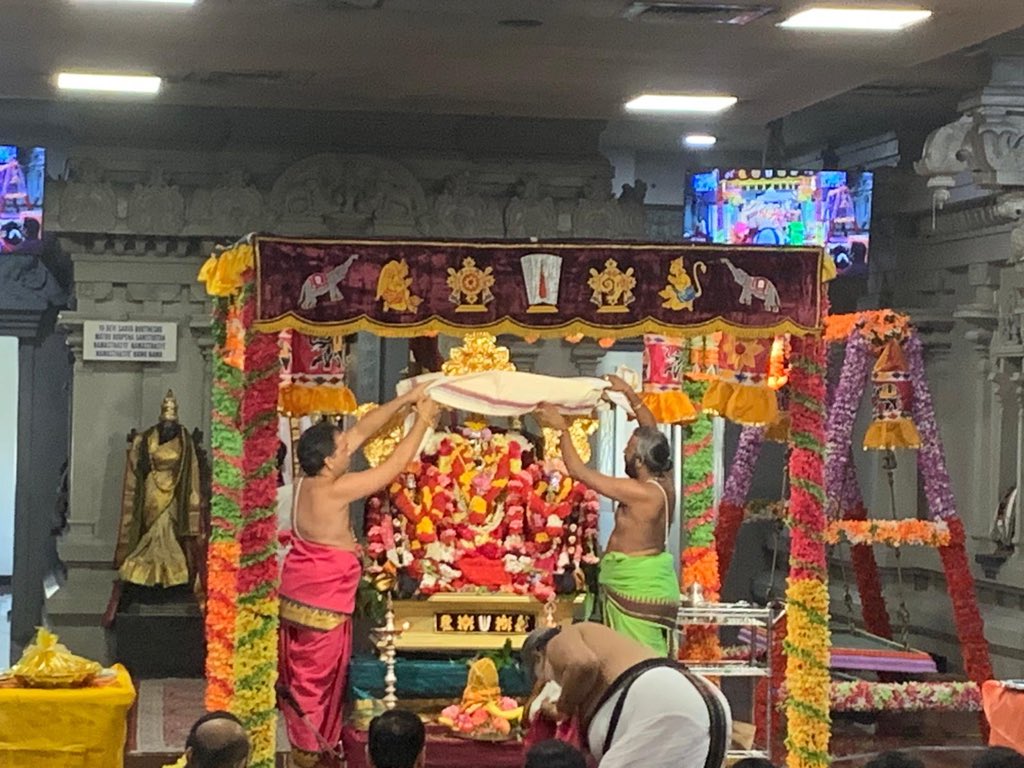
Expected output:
(700, 558)
(732, 507)
(842, 414)
(225, 515)
(807, 641)
(865, 568)
(257, 618)
(931, 463)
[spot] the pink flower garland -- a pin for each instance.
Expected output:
(931, 459)
(842, 413)
(867, 696)
(931, 462)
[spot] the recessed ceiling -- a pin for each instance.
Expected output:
(454, 57)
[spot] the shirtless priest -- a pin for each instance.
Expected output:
(639, 590)
(321, 571)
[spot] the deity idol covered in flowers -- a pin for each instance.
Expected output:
(480, 513)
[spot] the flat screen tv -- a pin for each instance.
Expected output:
(772, 208)
(22, 179)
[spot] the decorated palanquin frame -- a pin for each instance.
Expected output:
(608, 290)
(405, 288)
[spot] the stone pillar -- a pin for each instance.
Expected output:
(586, 356)
(43, 377)
(118, 282)
(524, 355)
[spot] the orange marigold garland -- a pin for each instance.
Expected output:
(700, 558)
(256, 623)
(895, 533)
(225, 507)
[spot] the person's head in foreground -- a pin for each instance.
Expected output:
(395, 740)
(554, 754)
(323, 450)
(754, 762)
(999, 757)
(533, 661)
(647, 454)
(217, 740)
(894, 760)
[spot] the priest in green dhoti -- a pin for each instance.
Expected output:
(639, 590)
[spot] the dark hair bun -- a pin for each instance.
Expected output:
(661, 458)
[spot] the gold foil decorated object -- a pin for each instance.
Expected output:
(46, 663)
(479, 353)
(580, 430)
(169, 407)
(381, 445)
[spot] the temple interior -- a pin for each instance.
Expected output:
(791, 236)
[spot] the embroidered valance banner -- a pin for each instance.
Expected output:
(407, 288)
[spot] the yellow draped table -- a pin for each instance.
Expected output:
(67, 727)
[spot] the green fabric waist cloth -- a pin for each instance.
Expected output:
(640, 598)
(424, 679)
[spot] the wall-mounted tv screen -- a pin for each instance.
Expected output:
(772, 208)
(22, 178)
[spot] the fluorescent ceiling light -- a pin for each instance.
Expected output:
(674, 103)
(699, 140)
(147, 2)
(81, 81)
(865, 19)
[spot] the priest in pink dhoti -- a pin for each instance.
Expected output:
(321, 571)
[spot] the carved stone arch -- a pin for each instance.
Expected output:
(348, 195)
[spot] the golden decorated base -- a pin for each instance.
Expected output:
(468, 622)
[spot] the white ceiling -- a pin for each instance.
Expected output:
(453, 57)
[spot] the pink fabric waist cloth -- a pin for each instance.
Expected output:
(320, 576)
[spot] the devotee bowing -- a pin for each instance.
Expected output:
(634, 708)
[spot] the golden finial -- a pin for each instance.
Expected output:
(169, 408)
(479, 352)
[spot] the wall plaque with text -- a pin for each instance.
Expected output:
(134, 342)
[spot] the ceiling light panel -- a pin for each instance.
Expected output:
(699, 140)
(856, 19)
(83, 81)
(135, 2)
(667, 104)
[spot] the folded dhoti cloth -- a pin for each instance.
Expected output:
(514, 393)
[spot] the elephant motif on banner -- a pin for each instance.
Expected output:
(319, 283)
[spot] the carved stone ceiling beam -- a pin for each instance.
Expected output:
(987, 140)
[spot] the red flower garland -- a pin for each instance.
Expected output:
(869, 585)
(730, 518)
(966, 614)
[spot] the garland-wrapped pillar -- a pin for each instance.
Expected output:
(807, 641)
(225, 508)
(257, 619)
(700, 558)
(931, 463)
